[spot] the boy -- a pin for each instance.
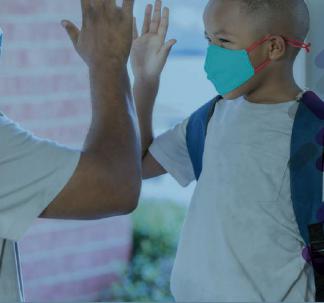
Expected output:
(240, 240)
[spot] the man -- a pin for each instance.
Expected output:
(39, 178)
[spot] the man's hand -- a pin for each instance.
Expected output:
(150, 51)
(107, 180)
(106, 33)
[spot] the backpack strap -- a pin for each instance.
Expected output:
(306, 180)
(196, 133)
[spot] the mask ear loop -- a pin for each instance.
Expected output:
(254, 46)
(258, 43)
(294, 43)
(299, 44)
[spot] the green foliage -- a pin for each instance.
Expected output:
(156, 230)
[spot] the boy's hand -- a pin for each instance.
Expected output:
(106, 34)
(150, 51)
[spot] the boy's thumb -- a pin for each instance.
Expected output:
(71, 30)
(168, 46)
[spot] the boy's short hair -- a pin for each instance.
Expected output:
(286, 17)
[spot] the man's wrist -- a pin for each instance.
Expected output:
(115, 65)
(112, 73)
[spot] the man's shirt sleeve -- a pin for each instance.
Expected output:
(33, 172)
(170, 150)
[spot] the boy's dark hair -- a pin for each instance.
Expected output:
(286, 17)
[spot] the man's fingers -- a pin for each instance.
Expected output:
(128, 7)
(164, 24)
(135, 31)
(100, 5)
(110, 4)
(147, 19)
(72, 31)
(85, 5)
(156, 17)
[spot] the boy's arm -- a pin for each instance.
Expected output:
(145, 94)
(148, 57)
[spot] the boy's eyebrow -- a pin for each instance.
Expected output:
(221, 32)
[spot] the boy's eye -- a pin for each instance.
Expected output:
(208, 39)
(224, 41)
(221, 40)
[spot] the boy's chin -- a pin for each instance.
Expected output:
(233, 95)
(238, 92)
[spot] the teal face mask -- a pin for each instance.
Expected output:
(229, 69)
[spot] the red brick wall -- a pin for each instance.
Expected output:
(43, 81)
(44, 86)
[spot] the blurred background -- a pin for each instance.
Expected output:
(44, 86)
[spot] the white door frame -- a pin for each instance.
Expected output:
(314, 74)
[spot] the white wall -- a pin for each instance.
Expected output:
(300, 69)
(315, 59)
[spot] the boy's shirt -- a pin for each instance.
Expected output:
(240, 240)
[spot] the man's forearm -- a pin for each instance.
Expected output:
(145, 93)
(114, 131)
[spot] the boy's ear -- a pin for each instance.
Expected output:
(277, 47)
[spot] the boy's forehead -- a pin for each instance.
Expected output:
(223, 17)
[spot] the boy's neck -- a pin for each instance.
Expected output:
(283, 89)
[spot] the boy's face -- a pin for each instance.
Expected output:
(227, 26)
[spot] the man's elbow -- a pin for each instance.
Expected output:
(127, 189)
(131, 195)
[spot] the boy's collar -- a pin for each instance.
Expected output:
(301, 94)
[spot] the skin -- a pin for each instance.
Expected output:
(275, 84)
(148, 57)
(107, 180)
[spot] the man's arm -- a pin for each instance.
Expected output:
(107, 179)
(148, 57)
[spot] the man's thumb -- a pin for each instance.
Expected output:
(72, 31)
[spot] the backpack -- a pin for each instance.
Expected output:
(306, 171)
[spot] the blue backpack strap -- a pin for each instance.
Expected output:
(306, 179)
(196, 133)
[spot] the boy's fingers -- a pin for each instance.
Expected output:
(166, 48)
(72, 31)
(156, 17)
(164, 25)
(135, 31)
(147, 19)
